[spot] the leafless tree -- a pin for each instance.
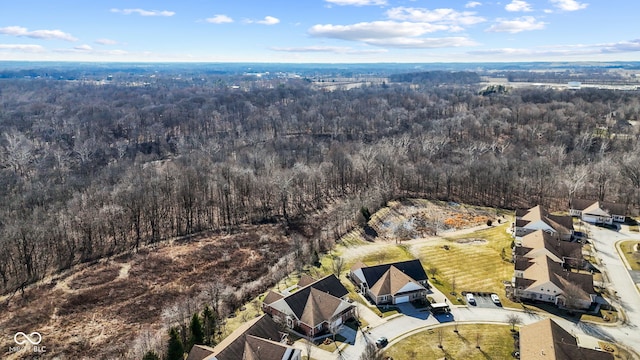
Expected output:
(513, 320)
(337, 265)
(371, 352)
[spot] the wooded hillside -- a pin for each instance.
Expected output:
(88, 170)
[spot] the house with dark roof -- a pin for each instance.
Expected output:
(546, 340)
(597, 212)
(537, 218)
(258, 339)
(392, 283)
(312, 309)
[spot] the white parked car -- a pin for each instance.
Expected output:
(470, 299)
(495, 299)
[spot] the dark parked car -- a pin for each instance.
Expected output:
(382, 342)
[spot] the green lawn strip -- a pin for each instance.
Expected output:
(627, 251)
(496, 342)
(473, 267)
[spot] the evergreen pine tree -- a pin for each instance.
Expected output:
(175, 349)
(209, 325)
(151, 355)
(197, 335)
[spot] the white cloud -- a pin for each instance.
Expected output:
(443, 16)
(623, 46)
(268, 20)
(329, 49)
(143, 12)
(424, 43)
(525, 23)
(518, 5)
(568, 5)
(22, 47)
(219, 19)
(106, 42)
(357, 2)
(37, 34)
(565, 50)
(472, 4)
(374, 30)
(390, 34)
(83, 47)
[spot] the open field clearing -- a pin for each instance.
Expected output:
(102, 310)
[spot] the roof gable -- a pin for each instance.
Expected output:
(595, 209)
(532, 244)
(610, 207)
(331, 285)
(272, 297)
(412, 268)
(233, 346)
(392, 281)
(306, 280)
(316, 302)
(546, 340)
(320, 307)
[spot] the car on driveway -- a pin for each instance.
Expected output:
(495, 299)
(382, 342)
(470, 299)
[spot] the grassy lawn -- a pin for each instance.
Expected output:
(473, 267)
(610, 316)
(388, 310)
(332, 346)
(496, 342)
(627, 250)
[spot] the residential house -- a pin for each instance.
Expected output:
(597, 212)
(546, 340)
(537, 218)
(312, 309)
(540, 243)
(392, 283)
(543, 279)
(256, 339)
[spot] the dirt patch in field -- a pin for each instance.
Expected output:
(94, 276)
(415, 218)
(472, 241)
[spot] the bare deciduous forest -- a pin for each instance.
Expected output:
(89, 171)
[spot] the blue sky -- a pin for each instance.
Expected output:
(320, 30)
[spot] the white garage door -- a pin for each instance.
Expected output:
(402, 299)
(338, 321)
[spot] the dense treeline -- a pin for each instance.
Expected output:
(88, 171)
(437, 77)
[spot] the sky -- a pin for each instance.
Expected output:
(319, 31)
